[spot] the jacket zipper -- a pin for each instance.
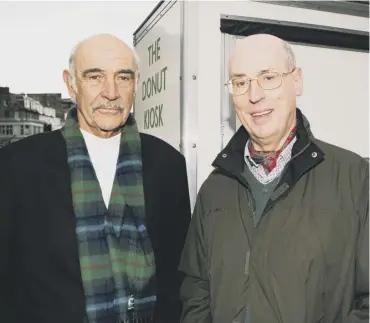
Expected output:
(246, 271)
(248, 314)
(251, 203)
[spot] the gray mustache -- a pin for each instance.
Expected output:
(108, 106)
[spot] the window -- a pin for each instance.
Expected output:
(22, 130)
(27, 130)
(9, 129)
(6, 130)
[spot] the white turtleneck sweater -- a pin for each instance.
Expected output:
(103, 154)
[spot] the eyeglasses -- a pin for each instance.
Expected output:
(268, 81)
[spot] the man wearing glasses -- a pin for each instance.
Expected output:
(280, 229)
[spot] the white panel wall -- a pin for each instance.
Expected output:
(336, 95)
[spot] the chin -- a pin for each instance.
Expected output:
(109, 126)
(263, 133)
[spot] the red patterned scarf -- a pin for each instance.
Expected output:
(268, 159)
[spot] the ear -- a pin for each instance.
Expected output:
(298, 81)
(68, 80)
(137, 80)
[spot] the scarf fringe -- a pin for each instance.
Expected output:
(148, 319)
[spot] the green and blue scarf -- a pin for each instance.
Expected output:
(116, 256)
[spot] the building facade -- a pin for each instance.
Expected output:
(22, 115)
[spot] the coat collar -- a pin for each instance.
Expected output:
(231, 158)
(56, 150)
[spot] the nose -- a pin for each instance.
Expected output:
(256, 93)
(110, 90)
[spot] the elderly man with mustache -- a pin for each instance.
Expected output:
(94, 215)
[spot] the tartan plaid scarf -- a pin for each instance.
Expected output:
(115, 252)
(268, 159)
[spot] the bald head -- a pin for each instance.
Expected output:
(99, 43)
(266, 45)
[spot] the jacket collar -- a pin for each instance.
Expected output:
(231, 158)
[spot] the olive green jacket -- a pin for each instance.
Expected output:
(306, 261)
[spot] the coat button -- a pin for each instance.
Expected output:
(314, 154)
(224, 155)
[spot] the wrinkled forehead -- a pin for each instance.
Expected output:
(251, 60)
(109, 58)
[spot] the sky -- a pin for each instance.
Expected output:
(36, 38)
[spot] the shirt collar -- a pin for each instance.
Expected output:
(283, 155)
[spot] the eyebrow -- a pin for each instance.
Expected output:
(238, 75)
(125, 71)
(99, 70)
(91, 70)
(265, 70)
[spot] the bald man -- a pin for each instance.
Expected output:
(93, 216)
(280, 228)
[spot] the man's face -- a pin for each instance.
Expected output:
(266, 114)
(105, 85)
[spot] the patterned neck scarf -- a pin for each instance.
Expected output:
(116, 255)
(268, 159)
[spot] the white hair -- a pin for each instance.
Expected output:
(72, 67)
(290, 57)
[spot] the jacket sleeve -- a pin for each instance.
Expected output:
(360, 304)
(195, 290)
(6, 244)
(169, 278)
